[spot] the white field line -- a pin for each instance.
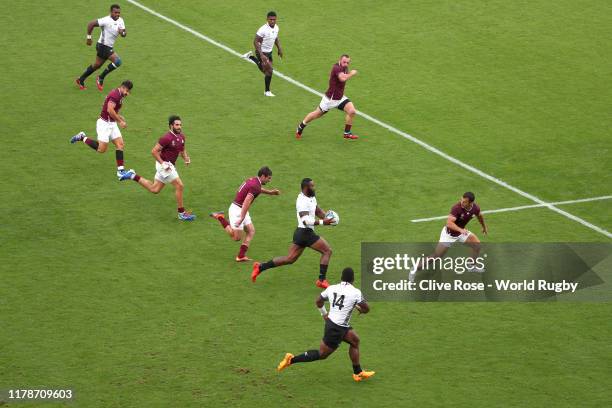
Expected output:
(522, 207)
(388, 127)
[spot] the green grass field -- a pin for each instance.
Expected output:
(104, 291)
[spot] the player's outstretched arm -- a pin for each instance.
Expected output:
(116, 117)
(156, 152)
(257, 44)
(320, 213)
(345, 77)
(185, 157)
(279, 49)
(320, 303)
(362, 307)
(485, 229)
(245, 209)
(274, 191)
(90, 27)
(450, 224)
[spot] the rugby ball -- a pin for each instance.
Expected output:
(331, 214)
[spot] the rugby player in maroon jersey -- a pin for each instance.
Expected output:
(335, 98)
(455, 231)
(240, 219)
(167, 149)
(106, 126)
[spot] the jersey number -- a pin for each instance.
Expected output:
(338, 301)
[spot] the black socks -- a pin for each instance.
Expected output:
(306, 357)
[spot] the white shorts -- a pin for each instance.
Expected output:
(234, 215)
(327, 104)
(165, 176)
(107, 130)
(448, 240)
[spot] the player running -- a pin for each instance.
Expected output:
(335, 98)
(111, 26)
(167, 149)
(107, 128)
(455, 231)
(265, 39)
(240, 219)
(304, 235)
(342, 298)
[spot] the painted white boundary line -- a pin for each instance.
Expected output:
(388, 127)
(522, 207)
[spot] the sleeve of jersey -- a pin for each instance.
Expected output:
(337, 70)
(255, 190)
(260, 32)
(301, 206)
(324, 295)
(115, 97)
(101, 22)
(477, 212)
(455, 211)
(164, 140)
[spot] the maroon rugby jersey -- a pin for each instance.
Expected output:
(463, 216)
(335, 90)
(115, 96)
(252, 185)
(172, 145)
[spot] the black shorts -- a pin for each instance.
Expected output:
(333, 334)
(103, 51)
(267, 54)
(343, 104)
(305, 237)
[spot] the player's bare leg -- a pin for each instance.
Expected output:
(352, 339)
(234, 234)
(350, 112)
(102, 147)
(249, 233)
(119, 145)
(474, 243)
(154, 187)
(113, 65)
(267, 71)
(178, 192)
(325, 250)
(439, 252)
(98, 146)
(306, 357)
(315, 114)
(295, 251)
(80, 81)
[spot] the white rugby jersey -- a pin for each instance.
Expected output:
(109, 30)
(342, 299)
(305, 203)
(269, 35)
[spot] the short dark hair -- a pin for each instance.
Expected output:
(264, 171)
(172, 118)
(348, 275)
(470, 196)
(128, 84)
(115, 6)
(345, 55)
(271, 13)
(305, 182)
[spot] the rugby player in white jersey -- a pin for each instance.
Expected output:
(343, 298)
(111, 27)
(304, 236)
(265, 40)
